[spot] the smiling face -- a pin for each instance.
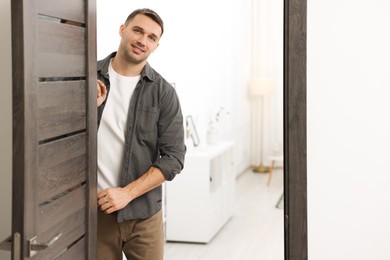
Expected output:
(140, 37)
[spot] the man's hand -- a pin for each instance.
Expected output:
(101, 92)
(113, 199)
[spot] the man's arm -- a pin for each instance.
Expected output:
(171, 135)
(113, 199)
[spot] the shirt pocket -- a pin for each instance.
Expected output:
(148, 120)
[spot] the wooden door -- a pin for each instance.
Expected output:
(54, 129)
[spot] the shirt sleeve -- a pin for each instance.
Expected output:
(171, 135)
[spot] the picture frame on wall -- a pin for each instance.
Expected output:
(191, 130)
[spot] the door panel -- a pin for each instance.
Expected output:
(74, 253)
(62, 166)
(54, 128)
(61, 108)
(59, 45)
(71, 10)
(52, 212)
(71, 228)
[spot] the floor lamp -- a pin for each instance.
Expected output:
(258, 89)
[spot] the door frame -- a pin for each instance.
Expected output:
(294, 126)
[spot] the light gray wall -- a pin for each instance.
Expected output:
(348, 129)
(6, 124)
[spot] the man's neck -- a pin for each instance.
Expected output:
(126, 68)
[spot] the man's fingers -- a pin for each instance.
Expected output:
(99, 92)
(101, 88)
(100, 83)
(102, 194)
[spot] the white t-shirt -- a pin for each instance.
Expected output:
(112, 129)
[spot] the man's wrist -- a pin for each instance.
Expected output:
(130, 190)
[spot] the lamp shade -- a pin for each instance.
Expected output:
(261, 86)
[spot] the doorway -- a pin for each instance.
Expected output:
(294, 129)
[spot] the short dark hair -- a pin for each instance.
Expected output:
(149, 13)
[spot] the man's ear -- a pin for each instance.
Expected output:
(121, 29)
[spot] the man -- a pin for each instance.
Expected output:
(140, 143)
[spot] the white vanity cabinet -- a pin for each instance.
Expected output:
(200, 200)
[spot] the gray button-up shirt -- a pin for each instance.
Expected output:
(154, 136)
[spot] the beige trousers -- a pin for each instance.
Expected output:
(141, 239)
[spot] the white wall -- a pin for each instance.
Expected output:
(204, 51)
(348, 129)
(6, 124)
(268, 63)
(207, 51)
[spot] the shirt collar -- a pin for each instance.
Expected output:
(147, 71)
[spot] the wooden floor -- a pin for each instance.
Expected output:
(255, 231)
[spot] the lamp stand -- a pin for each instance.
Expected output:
(261, 168)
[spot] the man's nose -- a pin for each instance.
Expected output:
(142, 39)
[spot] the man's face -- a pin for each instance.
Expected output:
(140, 38)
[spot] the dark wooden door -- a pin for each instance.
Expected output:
(54, 129)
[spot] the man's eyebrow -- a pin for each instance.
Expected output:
(137, 27)
(142, 29)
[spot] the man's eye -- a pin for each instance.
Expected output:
(152, 39)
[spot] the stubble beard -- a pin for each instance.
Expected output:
(132, 57)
